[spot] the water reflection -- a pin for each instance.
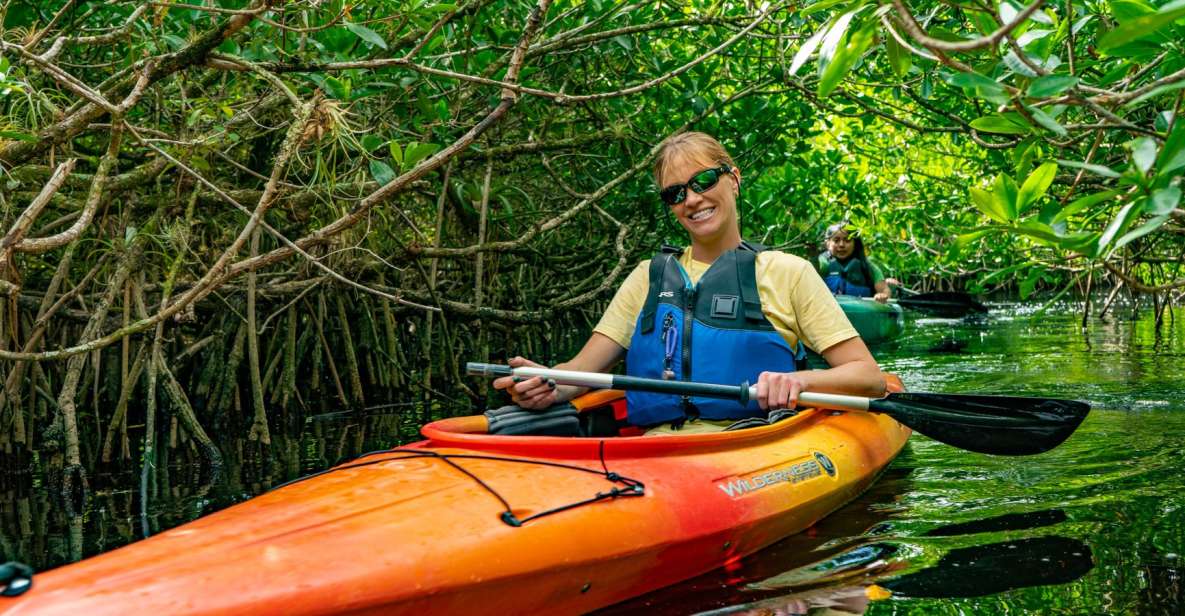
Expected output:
(854, 577)
(1106, 508)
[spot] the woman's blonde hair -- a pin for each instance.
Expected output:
(690, 145)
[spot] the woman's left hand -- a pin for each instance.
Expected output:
(882, 297)
(779, 390)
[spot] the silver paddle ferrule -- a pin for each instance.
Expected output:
(474, 368)
(825, 401)
(594, 380)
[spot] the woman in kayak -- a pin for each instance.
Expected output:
(847, 270)
(720, 311)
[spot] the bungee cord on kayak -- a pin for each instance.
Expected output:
(629, 486)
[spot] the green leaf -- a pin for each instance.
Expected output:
(999, 124)
(899, 57)
(1046, 121)
(17, 135)
(1051, 85)
(381, 172)
(1043, 233)
(1143, 26)
(1163, 201)
(1004, 191)
(973, 80)
(982, 87)
(1144, 229)
(845, 58)
(1083, 203)
(1143, 153)
(417, 152)
(1121, 221)
(370, 142)
(1172, 87)
(1035, 185)
(822, 5)
(366, 34)
(1029, 284)
(1172, 155)
(1106, 172)
(830, 43)
(337, 88)
(806, 50)
(396, 153)
(1016, 65)
(986, 202)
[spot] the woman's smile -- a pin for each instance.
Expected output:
(702, 215)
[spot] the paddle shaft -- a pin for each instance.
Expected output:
(742, 393)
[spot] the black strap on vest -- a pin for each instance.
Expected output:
(746, 255)
(658, 266)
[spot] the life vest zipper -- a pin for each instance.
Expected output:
(670, 338)
(689, 293)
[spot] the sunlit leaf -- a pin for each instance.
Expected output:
(1004, 190)
(1035, 185)
(1144, 229)
(808, 48)
(899, 57)
(845, 58)
(1051, 85)
(381, 171)
(999, 124)
(1163, 201)
(1120, 223)
(1106, 172)
(1084, 203)
(1143, 26)
(366, 34)
(1143, 153)
(1157, 91)
(986, 202)
(17, 135)
(417, 152)
(1172, 155)
(1018, 66)
(1046, 121)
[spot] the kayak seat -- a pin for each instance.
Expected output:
(603, 413)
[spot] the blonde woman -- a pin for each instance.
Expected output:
(720, 310)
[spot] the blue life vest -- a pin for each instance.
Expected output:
(851, 278)
(733, 341)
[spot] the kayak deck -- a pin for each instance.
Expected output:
(874, 321)
(422, 528)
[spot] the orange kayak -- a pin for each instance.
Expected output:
(466, 521)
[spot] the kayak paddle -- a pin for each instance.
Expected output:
(950, 304)
(999, 425)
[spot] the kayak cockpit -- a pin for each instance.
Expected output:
(470, 433)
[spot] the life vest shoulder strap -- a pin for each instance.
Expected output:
(658, 268)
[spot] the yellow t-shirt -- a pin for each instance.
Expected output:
(793, 298)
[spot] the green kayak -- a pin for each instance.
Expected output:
(876, 322)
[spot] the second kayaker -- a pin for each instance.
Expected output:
(847, 270)
(721, 311)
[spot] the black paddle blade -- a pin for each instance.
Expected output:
(999, 425)
(946, 304)
(994, 568)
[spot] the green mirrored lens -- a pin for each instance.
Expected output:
(674, 195)
(704, 180)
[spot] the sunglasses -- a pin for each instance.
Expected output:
(700, 183)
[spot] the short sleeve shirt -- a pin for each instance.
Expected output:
(793, 297)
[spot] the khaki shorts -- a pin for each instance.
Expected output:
(691, 426)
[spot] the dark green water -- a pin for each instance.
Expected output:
(1095, 526)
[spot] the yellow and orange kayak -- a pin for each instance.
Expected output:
(465, 521)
